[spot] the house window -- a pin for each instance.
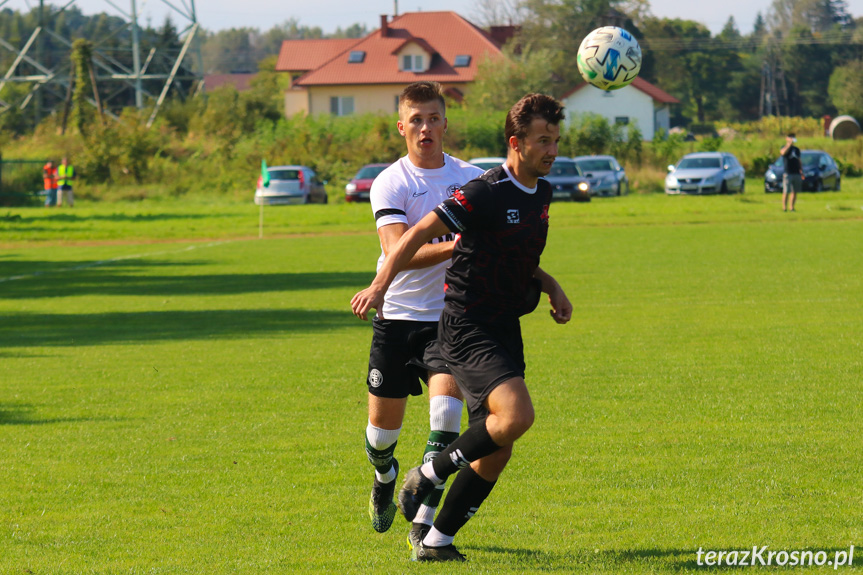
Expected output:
(622, 120)
(412, 63)
(356, 57)
(462, 61)
(341, 105)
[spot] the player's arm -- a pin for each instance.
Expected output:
(431, 226)
(561, 309)
(427, 255)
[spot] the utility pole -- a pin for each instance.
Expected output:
(136, 57)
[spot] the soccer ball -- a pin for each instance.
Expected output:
(609, 58)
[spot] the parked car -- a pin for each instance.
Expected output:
(566, 181)
(358, 188)
(290, 185)
(487, 163)
(820, 172)
(605, 174)
(706, 173)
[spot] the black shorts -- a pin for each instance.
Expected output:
(401, 354)
(480, 357)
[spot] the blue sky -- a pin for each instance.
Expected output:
(330, 14)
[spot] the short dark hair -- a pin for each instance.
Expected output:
(524, 111)
(420, 93)
(792, 135)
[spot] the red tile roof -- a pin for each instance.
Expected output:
(305, 55)
(239, 81)
(639, 83)
(445, 34)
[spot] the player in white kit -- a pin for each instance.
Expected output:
(406, 326)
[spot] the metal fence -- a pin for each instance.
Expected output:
(20, 182)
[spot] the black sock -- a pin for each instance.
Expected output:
(475, 443)
(465, 495)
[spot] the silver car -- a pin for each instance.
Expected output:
(606, 176)
(706, 173)
(290, 185)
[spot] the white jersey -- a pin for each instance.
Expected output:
(404, 194)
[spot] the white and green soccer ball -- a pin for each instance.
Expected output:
(609, 58)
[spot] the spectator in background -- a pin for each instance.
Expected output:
(792, 181)
(49, 176)
(65, 175)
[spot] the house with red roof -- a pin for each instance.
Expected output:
(366, 75)
(640, 103)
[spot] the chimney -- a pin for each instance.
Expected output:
(395, 8)
(385, 29)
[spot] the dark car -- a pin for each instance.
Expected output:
(820, 172)
(566, 181)
(358, 188)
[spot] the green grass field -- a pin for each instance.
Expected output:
(178, 396)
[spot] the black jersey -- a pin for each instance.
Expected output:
(503, 228)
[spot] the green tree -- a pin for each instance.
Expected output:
(500, 83)
(82, 113)
(807, 66)
(846, 89)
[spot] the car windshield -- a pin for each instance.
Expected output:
(596, 165)
(370, 172)
(276, 174)
(563, 169)
(698, 163)
(810, 160)
(807, 159)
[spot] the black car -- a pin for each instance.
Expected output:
(820, 172)
(566, 181)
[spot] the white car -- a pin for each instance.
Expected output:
(290, 185)
(706, 173)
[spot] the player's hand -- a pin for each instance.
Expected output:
(368, 299)
(561, 309)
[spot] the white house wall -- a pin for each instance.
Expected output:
(627, 102)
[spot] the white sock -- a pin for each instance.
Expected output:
(437, 539)
(445, 413)
(428, 470)
(381, 439)
(425, 514)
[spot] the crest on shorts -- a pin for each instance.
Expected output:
(376, 378)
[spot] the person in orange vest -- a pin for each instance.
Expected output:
(65, 175)
(49, 176)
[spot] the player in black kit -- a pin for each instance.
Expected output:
(494, 279)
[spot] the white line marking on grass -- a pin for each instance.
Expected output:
(111, 261)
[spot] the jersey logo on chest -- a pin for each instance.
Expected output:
(512, 217)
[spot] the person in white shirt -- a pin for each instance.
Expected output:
(405, 327)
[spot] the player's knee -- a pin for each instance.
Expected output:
(515, 423)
